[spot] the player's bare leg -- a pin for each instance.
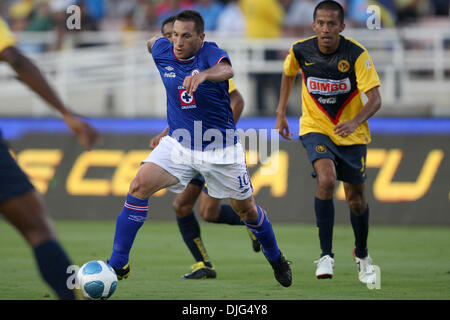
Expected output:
(211, 210)
(27, 213)
(184, 202)
(256, 220)
(324, 209)
(209, 207)
(149, 179)
(359, 217)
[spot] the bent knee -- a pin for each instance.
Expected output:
(209, 214)
(357, 206)
(182, 209)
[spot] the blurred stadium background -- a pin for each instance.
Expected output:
(104, 72)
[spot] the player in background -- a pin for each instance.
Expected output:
(20, 202)
(210, 208)
(333, 127)
(198, 94)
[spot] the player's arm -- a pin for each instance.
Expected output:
(367, 82)
(290, 70)
(151, 42)
(155, 140)
(287, 83)
(219, 72)
(29, 74)
(372, 105)
(237, 104)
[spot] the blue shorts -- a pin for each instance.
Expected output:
(13, 181)
(350, 161)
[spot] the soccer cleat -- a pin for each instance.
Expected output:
(123, 272)
(325, 266)
(200, 271)
(255, 243)
(366, 271)
(282, 270)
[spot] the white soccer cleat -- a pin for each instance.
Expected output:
(325, 266)
(366, 271)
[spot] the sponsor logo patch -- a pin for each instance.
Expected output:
(328, 87)
(187, 101)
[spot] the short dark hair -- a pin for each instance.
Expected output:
(191, 15)
(170, 19)
(330, 5)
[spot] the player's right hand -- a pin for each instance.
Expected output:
(86, 134)
(282, 126)
(155, 141)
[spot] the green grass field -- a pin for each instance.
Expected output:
(414, 262)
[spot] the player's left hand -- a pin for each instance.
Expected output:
(191, 83)
(346, 128)
(86, 135)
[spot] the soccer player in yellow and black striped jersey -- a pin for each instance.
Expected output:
(20, 202)
(335, 71)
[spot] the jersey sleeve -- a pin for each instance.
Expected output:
(216, 55)
(366, 75)
(231, 85)
(6, 37)
(160, 46)
(291, 65)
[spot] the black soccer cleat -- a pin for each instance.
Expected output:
(200, 271)
(255, 243)
(123, 272)
(281, 270)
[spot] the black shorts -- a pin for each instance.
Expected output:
(199, 181)
(350, 161)
(13, 181)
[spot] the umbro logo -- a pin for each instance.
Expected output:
(169, 68)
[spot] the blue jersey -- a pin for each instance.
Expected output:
(208, 108)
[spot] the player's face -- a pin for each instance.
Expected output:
(186, 41)
(168, 31)
(327, 26)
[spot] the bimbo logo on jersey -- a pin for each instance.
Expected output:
(328, 87)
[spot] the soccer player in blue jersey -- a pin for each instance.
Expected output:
(20, 203)
(201, 139)
(210, 208)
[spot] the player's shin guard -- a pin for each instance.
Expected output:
(325, 222)
(263, 231)
(129, 221)
(190, 231)
(360, 226)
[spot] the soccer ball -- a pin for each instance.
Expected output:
(97, 280)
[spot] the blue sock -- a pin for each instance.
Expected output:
(263, 231)
(128, 222)
(228, 216)
(190, 231)
(325, 222)
(360, 226)
(53, 262)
